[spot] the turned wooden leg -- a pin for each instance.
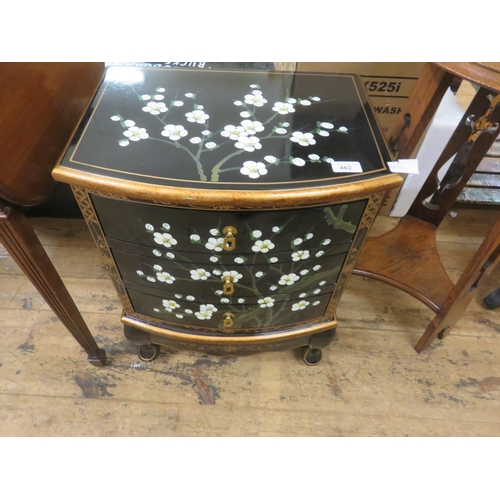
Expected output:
(20, 240)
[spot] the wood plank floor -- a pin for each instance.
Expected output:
(371, 382)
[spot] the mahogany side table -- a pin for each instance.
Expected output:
(42, 104)
(406, 257)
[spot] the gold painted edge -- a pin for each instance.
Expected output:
(366, 222)
(209, 198)
(247, 340)
(90, 216)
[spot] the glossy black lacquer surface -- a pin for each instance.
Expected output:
(228, 129)
(282, 268)
(192, 232)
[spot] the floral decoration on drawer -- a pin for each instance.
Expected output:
(213, 240)
(295, 269)
(192, 310)
(184, 123)
(318, 278)
(172, 231)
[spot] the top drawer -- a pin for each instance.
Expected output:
(202, 231)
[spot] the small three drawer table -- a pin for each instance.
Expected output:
(228, 206)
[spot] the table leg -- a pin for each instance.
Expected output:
(20, 240)
(480, 266)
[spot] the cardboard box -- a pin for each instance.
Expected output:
(285, 66)
(388, 86)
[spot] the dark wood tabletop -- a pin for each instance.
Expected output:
(41, 105)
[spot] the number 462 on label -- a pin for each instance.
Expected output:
(346, 166)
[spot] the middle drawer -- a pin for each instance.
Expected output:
(214, 279)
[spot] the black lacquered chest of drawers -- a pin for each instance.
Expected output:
(228, 206)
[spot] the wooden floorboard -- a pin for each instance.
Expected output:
(371, 381)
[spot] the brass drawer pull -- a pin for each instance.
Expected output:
(228, 320)
(228, 287)
(229, 239)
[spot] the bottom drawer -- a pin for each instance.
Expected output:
(268, 313)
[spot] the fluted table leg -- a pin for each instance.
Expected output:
(20, 240)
